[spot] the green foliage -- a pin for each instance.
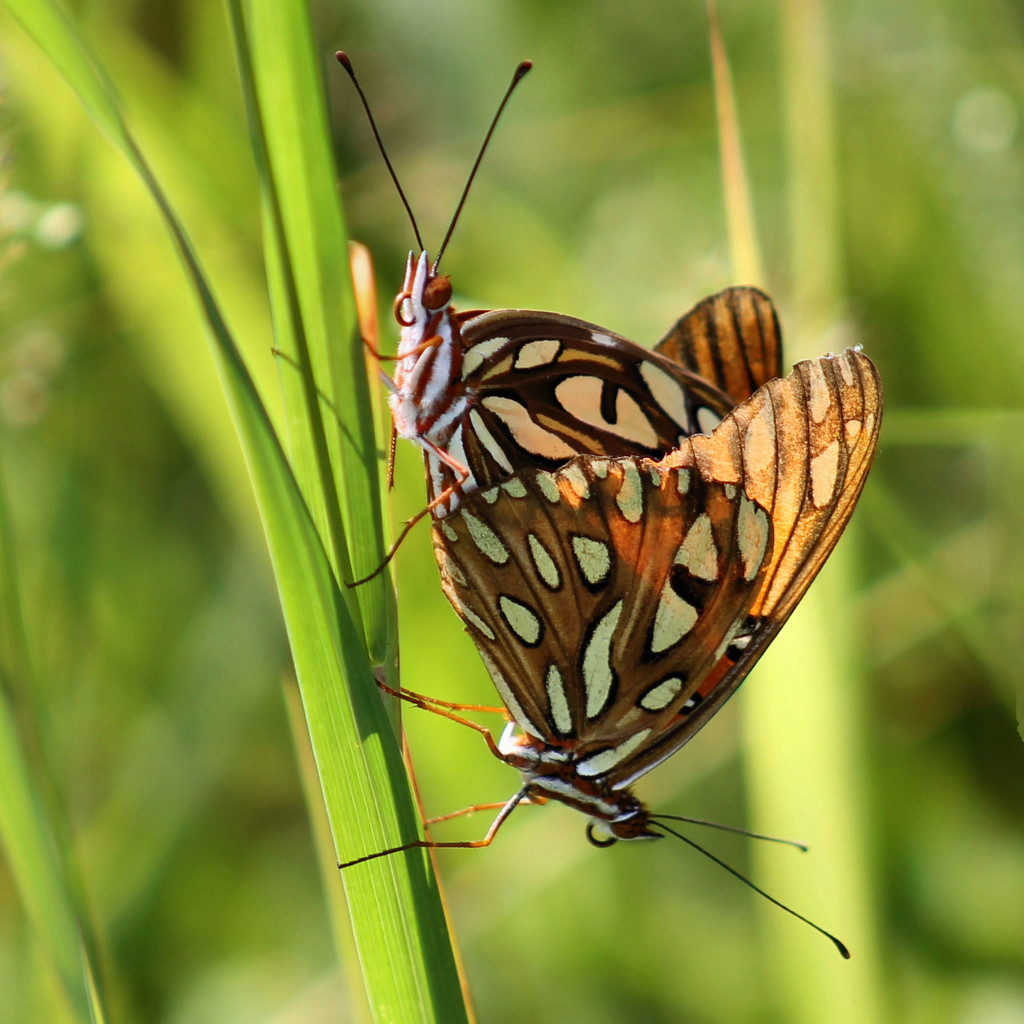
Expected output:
(152, 814)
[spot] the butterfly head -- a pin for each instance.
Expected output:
(423, 293)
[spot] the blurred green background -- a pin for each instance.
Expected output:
(150, 607)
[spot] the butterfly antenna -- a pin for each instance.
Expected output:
(343, 60)
(802, 847)
(843, 951)
(516, 78)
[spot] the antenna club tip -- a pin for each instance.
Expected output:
(524, 66)
(342, 58)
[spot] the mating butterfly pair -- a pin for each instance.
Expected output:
(622, 531)
(619, 597)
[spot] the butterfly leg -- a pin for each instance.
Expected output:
(534, 800)
(463, 475)
(429, 704)
(466, 844)
(406, 694)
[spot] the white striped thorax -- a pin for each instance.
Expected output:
(426, 400)
(618, 601)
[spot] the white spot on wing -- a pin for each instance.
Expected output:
(457, 451)
(580, 396)
(698, 552)
(667, 392)
(470, 616)
(487, 440)
(598, 675)
(824, 467)
(486, 540)
(475, 356)
(672, 621)
(752, 534)
(576, 479)
(592, 558)
(683, 481)
(604, 761)
(819, 399)
(448, 531)
(537, 353)
(659, 696)
(549, 488)
(450, 568)
(514, 488)
(630, 498)
(707, 419)
(759, 443)
(526, 433)
(631, 421)
(521, 620)
(544, 563)
(846, 370)
(557, 701)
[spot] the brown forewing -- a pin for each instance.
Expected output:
(584, 502)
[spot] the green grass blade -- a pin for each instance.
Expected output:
(311, 290)
(97, 1014)
(27, 840)
(399, 925)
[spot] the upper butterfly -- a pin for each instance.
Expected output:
(486, 394)
(489, 393)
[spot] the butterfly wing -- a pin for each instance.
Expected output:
(800, 448)
(602, 594)
(731, 339)
(618, 602)
(545, 387)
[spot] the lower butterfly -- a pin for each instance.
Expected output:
(618, 602)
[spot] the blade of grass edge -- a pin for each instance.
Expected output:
(25, 834)
(96, 1012)
(397, 918)
(289, 278)
(744, 246)
(308, 269)
(323, 843)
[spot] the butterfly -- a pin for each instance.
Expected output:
(487, 393)
(618, 602)
(622, 531)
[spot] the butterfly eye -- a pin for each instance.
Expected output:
(437, 292)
